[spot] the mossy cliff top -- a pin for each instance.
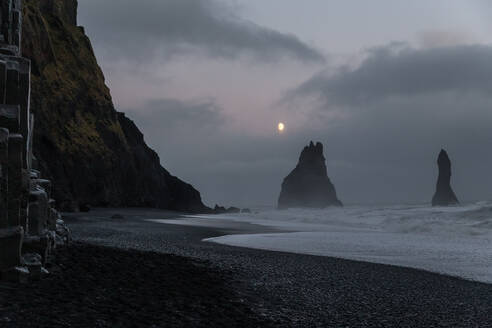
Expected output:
(94, 154)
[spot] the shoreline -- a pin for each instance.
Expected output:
(216, 229)
(236, 233)
(273, 288)
(219, 240)
(309, 290)
(97, 286)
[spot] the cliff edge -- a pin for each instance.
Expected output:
(94, 155)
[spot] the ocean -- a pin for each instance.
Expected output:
(451, 240)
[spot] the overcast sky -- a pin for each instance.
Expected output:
(384, 85)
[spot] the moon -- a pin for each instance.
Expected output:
(281, 127)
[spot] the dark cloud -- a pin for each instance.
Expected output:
(180, 128)
(137, 29)
(431, 38)
(193, 142)
(382, 151)
(400, 71)
(397, 109)
(173, 116)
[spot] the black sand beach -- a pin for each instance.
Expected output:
(129, 272)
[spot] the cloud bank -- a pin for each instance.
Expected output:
(395, 112)
(207, 112)
(166, 28)
(401, 71)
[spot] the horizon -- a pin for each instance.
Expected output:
(227, 72)
(342, 142)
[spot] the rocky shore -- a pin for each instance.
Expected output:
(175, 279)
(105, 287)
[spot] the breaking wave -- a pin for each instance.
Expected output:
(451, 240)
(472, 219)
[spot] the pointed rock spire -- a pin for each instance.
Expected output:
(444, 195)
(308, 184)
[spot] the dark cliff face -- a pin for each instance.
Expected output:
(308, 184)
(444, 195)
(93, 154)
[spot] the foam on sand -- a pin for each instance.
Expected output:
(450, 240)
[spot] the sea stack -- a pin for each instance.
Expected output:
(308, 184)
(444, 195)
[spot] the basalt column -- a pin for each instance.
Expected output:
(29, 225)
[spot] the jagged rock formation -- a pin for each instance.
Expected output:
(444, 195)
(30, 228)
(222, 210)
(308, 184)
(94, 155)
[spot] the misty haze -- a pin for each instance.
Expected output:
(245, 163)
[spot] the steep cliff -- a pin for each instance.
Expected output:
(308, 184)
(94, 155)
(444, 195)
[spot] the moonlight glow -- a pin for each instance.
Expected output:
(281, 127)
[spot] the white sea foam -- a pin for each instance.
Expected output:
(452, 240)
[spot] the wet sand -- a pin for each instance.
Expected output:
(257, 288)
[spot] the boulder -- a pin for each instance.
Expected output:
(444, 195)
(219, 209)
(63, 234)
(222, 210)
(41, 245)
(18, 274)
(233, 209)
(33, 262)
(308, 184)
